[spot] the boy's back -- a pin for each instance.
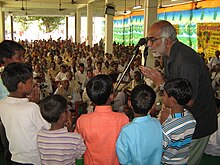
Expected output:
(100, 130)
(22, 120)
(59, 146)
(177, 135)
(179, 127)
(140, 142)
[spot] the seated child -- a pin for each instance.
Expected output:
(101, 128)
(140, 142)
(20, 117)
(58, 145)
(179, 127)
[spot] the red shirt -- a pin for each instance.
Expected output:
(100, 131)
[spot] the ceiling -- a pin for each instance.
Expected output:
(69, 7)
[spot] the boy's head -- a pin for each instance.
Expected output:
(11, 51)
(99, 89)
(180, 89)
(81, 67)
(52, 107)
(99, 65)
(65, 83)
(18, 76)
(142, 99)
(137, 76)
(69, 75)
(89, 73)
(63, 68)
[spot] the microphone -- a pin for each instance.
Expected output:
(141, 42)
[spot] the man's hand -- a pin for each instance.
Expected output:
(152, 74)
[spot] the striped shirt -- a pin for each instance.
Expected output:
(178, 130)
(59, 147)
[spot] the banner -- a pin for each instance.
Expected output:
(208, 38)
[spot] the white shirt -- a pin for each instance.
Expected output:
(60, 76)
(80, 77)
(22, 121)
(214, 61)
(213, 146)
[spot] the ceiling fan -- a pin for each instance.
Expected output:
(60, 6)
(73, 2)
(24, 8)
(125, 12)
(195, 4)
(161, 5)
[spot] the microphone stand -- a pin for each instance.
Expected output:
(135, 52)
(145, 55)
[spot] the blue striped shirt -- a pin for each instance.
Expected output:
(178, 130)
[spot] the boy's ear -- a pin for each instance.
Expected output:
(6, 60)
(173, 100)
(111, 97)
(129, 104)
(20, 85)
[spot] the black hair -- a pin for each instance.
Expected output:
(114, 76)
(142, 98)
(180, 89)
(99, 88)
(137, 73)
(52, 107)
(14, 73)
(82, 65)
(63, 65)
(99, 62)
(7, 49)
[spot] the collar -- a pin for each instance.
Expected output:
(178, 115)
(103, 108)
(141, 119)
(16, 100)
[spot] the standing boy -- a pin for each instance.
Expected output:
(20, 117)
(179, 127)
(100, 129)
(140, 142)
(58, 145)
(10, 51)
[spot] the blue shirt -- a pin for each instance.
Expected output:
(3, 90)
(140, 142)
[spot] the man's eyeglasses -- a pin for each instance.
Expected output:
(152, 40)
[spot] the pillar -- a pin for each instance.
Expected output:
(67, 28)
(89, 24)
(78, 26)
(12, 27)
(2, 25)
(108, 31)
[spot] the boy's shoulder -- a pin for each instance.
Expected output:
(92, 114)
(19, 103)
(151, 121)
(60, 134)
(175, 122)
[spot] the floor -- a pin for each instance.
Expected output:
(206, 160)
